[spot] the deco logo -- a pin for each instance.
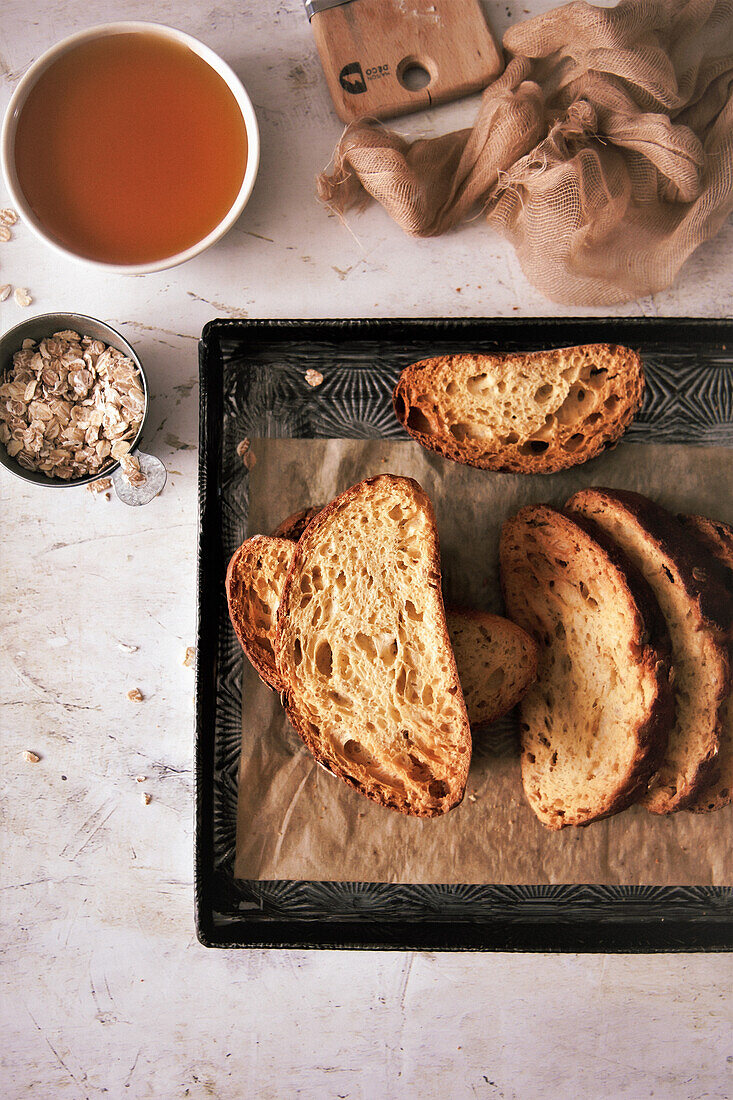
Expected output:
(351, 79)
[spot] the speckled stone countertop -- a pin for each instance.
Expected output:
(106, 989)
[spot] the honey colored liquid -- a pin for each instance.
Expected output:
(130, 149)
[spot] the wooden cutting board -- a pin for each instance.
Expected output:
(384, 58)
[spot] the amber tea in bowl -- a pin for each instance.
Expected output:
(130, 145)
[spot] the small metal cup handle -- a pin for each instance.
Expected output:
(156, 476)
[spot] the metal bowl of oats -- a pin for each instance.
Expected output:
(73, 401)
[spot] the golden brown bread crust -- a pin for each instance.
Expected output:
(648, 642)
(708, 603)
(426, 379)
(656, 651)
(478, 666)
(255, 639)
(646, 601)
(702, 579)
(257, 649)
(293, 527)
(357, 776)
(717, 537)
(523, 673)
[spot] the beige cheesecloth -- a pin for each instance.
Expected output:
(604, 152)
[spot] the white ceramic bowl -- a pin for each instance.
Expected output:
(15, 107)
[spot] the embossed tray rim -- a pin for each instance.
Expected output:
(528, 918)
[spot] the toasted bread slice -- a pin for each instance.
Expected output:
(527, 413)
(718, 539)
(696, 610)
(371, 684)
(294, 526)
(496, 660)
(594, 723)
(254, 582)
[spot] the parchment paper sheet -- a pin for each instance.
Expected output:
(296, 821)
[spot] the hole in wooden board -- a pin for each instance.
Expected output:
(412, 74)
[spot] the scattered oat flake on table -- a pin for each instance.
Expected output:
(127, 648)
(146, 798)
(189, 656)
(8, 216)
(313, 377)
(102, 485)
(140, 778)
(5, 233)
(22, 296)
(5, 290)
(135, 695)
(31, 757)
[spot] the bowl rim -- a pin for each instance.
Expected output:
(33, 477)
(103, 30)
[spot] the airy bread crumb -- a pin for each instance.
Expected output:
(595, 723)
(528, 413)
(695, 613)
(362, 648)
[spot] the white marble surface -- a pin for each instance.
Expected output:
(105, 988)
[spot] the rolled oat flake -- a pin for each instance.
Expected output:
(142, 483)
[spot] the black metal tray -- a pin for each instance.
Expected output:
(252, 385)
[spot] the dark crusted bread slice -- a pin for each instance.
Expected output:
(697, 611)
(496, 659)
(294, 526)
(718, 539)
(594, 723)
(528, 413)
(362, 646)
(254, 581)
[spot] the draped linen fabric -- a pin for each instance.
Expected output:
(604, 152)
